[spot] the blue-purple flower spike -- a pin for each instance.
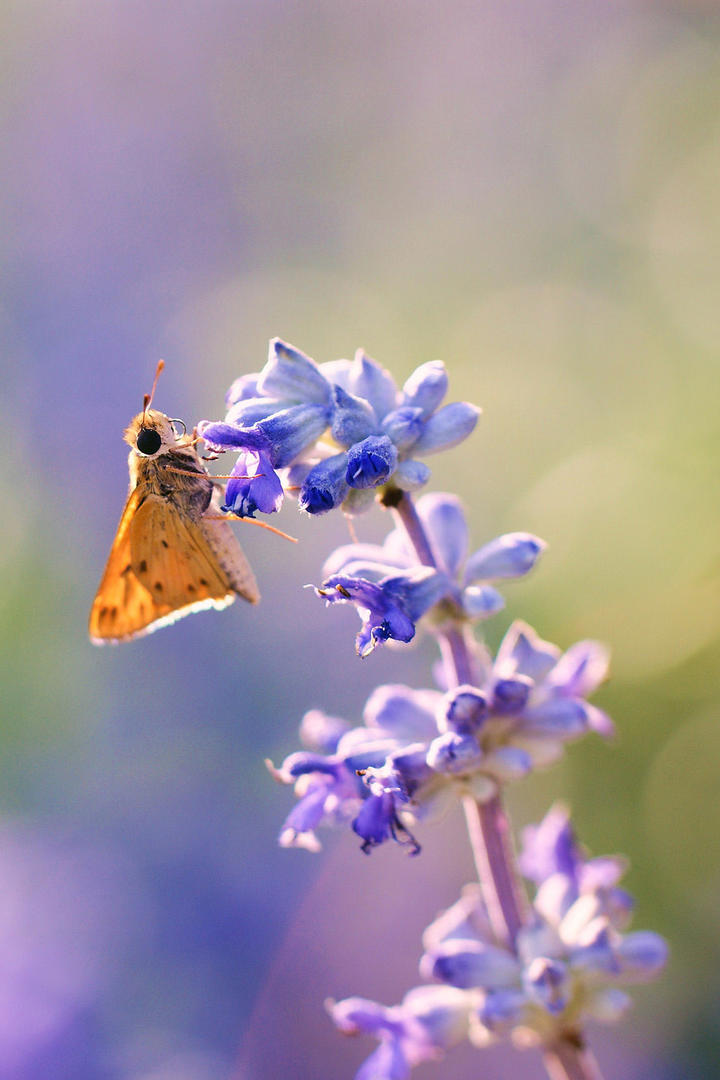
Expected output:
(527, 961)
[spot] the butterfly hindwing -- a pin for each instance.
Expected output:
(172, 558)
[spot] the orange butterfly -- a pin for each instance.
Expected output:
(173, 552)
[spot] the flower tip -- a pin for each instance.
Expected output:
(278, 347)
(308, 841)
(276, 773)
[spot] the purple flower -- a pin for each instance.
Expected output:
(328, 793)
(371, 462)
(392, 786)
(324, 486)
(550, 847)
(294, 404)
(419, 751)
(255, 485)
(430, 1020)
(570, 956)
(375, 776)
(389, 608)
(536, 690)
(443, 518)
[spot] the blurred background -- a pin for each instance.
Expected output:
(528, 192)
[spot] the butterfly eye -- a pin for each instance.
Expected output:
(148, 441)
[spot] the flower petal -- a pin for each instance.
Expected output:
(464, 710)
(407, 714)
(353, 418)
(523, 651)
(508, 556)
(411, 475)
(325, 486)
(247, 412)
(245, 386)
(371, 381)
(562, 718)
(481, 601)
(382, 618)
(548, 983)
(290, 431)
(254, 486)
(444, 518)
(404, 426)
(321, 732)
(417, 590)
(642, 955)
(426, 387)
(387, 1062)
(221, 436)
(289, 373)
(447, 427)
(550, 847)
(469, 964)
(370, 462)
(581, 669)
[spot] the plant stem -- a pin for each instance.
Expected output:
(568, 1061)
(487, 824)
(491, 843)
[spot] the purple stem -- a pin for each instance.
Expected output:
(487, 823)
(492, 847)
(569, 1061)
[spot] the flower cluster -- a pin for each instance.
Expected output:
(418, 751)
(336, 431)
(570, 960)
(391, 591)
(342, 434)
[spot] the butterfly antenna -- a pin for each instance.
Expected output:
(147, 400)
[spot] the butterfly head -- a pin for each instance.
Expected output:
(151, 433)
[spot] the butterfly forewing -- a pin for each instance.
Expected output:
(172, 558)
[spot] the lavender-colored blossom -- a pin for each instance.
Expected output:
(375, 776)
(429, 1021)
(328, 793)
(254, 485)
(534, 689)
(570, 955)
(388, 608)
(443, 518)
(371, 462)
(565, 969)
(421, 751)
(338, 431)
(342, 434)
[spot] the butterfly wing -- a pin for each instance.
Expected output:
(162, 566)
(226, 547)
(122, 605)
